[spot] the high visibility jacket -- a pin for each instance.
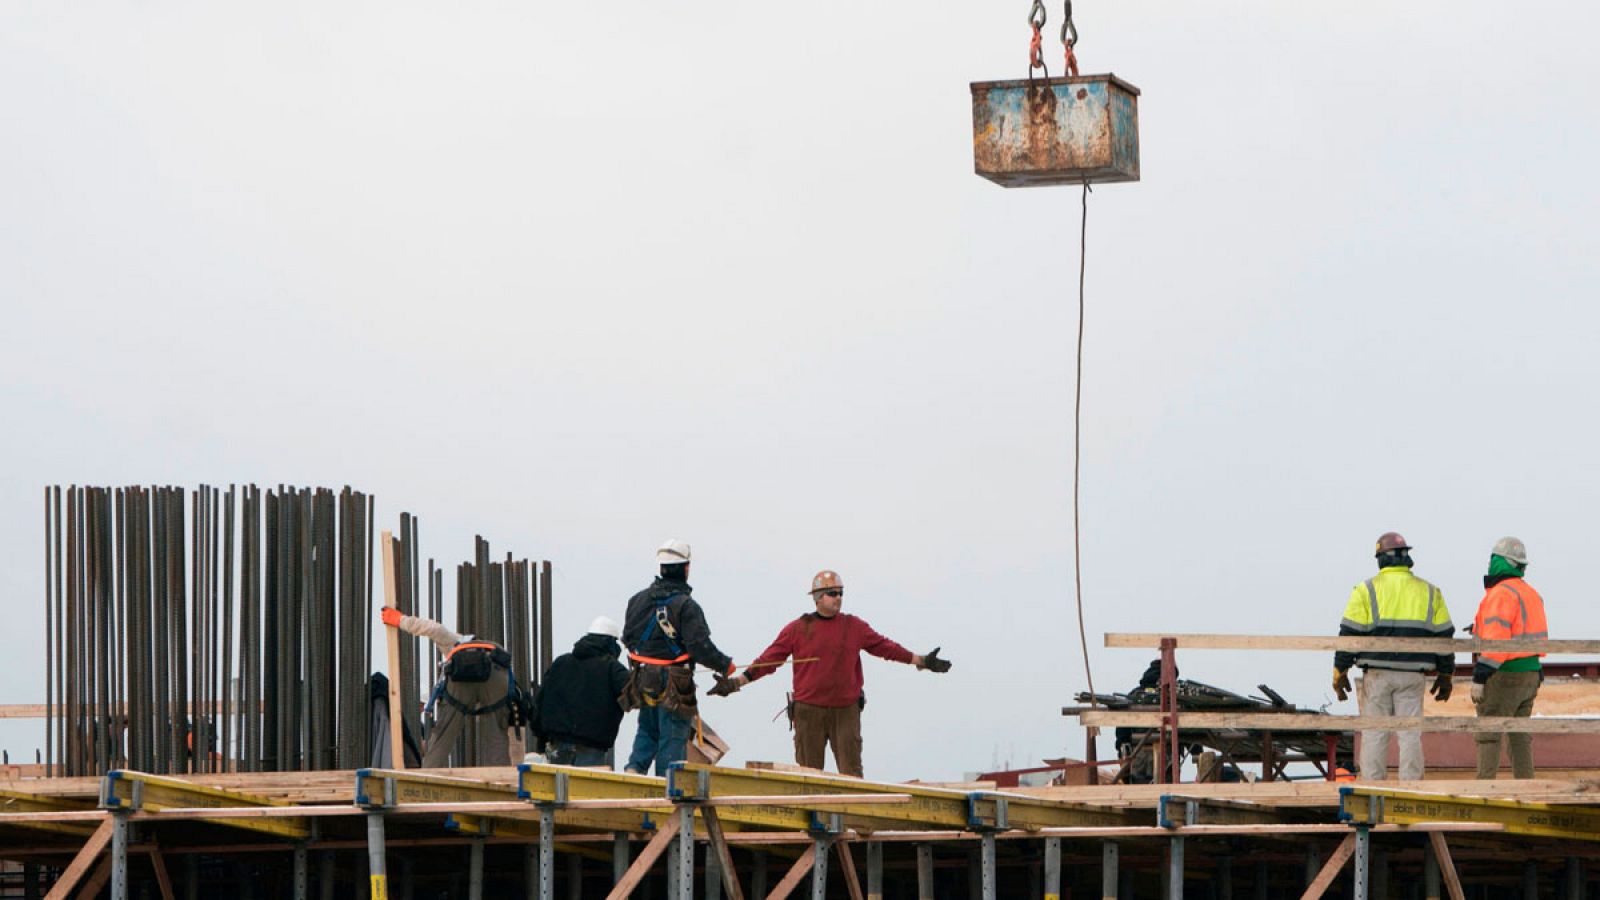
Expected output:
(1510, 610)
(1396, 603)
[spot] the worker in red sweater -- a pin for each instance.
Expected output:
(826, 646)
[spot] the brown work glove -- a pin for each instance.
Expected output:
(727, 686)
(1341, 683)
(1442, 686)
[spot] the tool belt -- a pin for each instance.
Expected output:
(670, 687)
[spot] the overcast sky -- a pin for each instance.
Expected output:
(582, 277)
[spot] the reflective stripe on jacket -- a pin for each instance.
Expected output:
(1396, 603)
(1510, 610)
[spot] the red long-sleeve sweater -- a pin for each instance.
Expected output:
(834, 680)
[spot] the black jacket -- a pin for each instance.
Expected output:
(685, 615)
(577, 700)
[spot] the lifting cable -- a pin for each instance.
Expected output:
(1077, 431)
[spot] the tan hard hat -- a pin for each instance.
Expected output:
(1513, 549)
(1391, 541)
(826, 580)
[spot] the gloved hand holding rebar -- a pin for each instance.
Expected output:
(1341, 683)
(1443, 684)
(391, 616)
(933, 663)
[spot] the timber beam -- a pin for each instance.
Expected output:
(1244, 721)
(19, 802)
(1177, 810)
(383, 788)
(123, 790)
(1375, 806)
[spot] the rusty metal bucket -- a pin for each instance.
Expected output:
(1044, 131)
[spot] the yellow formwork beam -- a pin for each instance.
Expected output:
(1375, 806)
(19, 802)
(928, 807)
(123, 789)
(377, 788)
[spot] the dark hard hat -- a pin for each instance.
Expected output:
(1391, 541)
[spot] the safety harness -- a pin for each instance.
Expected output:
(668, 631)
(494, 654)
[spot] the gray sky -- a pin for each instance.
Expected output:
(581, 278)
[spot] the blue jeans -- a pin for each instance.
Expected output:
(662, 737)
(567, 753)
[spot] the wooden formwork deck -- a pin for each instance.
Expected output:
(520, 831)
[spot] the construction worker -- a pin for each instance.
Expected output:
(578, 710)
(666, 635)
(827, 645)
(476, 682)
(1504, 683)
(1394, 603)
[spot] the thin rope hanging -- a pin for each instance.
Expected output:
(1077, 461)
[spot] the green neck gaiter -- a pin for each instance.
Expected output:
(1499, 566)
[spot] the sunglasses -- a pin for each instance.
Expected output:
(833, 593)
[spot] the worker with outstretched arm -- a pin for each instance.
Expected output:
(476, 682)
(578, 709)
(1504, 683)
(666, 635)
(1394, 603)
(827, 646)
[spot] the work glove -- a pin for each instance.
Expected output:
(391, 616)
(727, 686)
(1477, 693)
(1442, 686)
(1341, 683)
(933, 663)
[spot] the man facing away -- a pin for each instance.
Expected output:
(1394, 603)
(1504, 683)
(578, 711)
(666, 635)
(827, 646)
(476, 682)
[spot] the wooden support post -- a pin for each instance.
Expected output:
(1363, 864)
(301, 875)
(81, 863)
(717, 849)
(163, 880)
(1330, 869)
(641, 865)
(1447, 866)
(875, 870)
(475, 869)
(796, 874)
(1574, 878)
(377, 864)
(119, 856)
(924, 872)
(97, 879)
(847, 866)
(547, 853)
(397, 741)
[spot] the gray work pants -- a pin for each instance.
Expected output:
(1507, 694)
(493, 746)
(1388, 692)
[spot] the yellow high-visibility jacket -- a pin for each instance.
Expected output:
(1396, 603)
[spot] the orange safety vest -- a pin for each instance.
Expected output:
(1511, 610)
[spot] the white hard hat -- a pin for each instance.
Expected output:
(606, 626)
(1511, 548)
(673, 552)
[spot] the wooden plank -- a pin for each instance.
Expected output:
(1314, 722)
(1330, 869)
(162, 880)
(397, 742)
(796, 873)
(1319, 642)
(847, 865)
(719, 846)
(647, 858)
(80, 864)
(97, 879)
(1447, 866)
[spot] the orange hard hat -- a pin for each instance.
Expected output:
(1390, 541)
(826, 580)
(1343, 774)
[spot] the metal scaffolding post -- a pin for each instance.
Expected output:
(377, 865)
(1109, 853)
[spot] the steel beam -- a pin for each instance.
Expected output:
(1375, 806)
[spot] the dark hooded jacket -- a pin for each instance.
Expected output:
(577, 700)
(684, 614)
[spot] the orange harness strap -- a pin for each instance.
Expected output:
(652, 661)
